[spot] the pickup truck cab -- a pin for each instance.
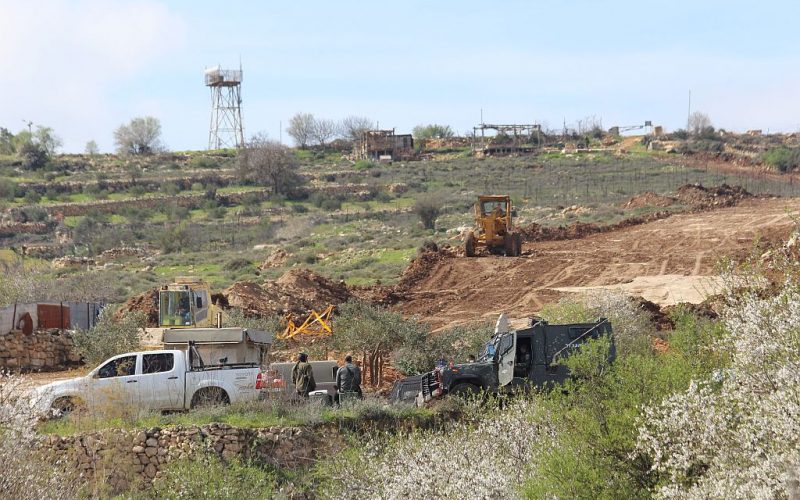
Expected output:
(153, 380)
(524, 358)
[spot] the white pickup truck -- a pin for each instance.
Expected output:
(154, 380)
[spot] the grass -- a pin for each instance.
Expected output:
(245, 415)
(249, 415)
(366, 241)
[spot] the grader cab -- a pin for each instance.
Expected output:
(186, 304)
(495, 228)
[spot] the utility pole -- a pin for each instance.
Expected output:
(689, 114)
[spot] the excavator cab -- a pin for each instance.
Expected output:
(495, 229)
(185, 304)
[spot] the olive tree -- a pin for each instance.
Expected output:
(432, 131)
(374, 333)
(110, 336)
(47, 140)
(428, 207)
(142, 136)
(301, 129)
(268, 163)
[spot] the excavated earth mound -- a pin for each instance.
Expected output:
(296, 293)
(650, 199)
(277, 258)
(701, 198)
(146, 303)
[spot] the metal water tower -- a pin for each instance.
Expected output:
(226, 108)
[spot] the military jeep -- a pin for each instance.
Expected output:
(513, 360)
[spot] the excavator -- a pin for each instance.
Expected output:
(495, 229)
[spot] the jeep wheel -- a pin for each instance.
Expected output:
(210, 396)
(465, 390)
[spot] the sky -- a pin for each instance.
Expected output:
(85, 67)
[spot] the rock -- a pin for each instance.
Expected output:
(151, 451)
(152, 442)
(138, 449)
(150, 471)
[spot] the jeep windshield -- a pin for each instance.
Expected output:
(487, 354)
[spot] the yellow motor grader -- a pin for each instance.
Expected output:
(495, 229)
(186, 303)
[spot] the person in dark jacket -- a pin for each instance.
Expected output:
(348, 377)
(303, 376)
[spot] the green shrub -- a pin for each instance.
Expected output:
(8, 189)
(364, 165)
(33, 214)
(32, 197)
(238, 264)
(137, 191)
(782, 159)
(34, 156)
(203, 162)
(326, 202)
(217, 212)
(383, 197)
(299, 208)
(170, 189)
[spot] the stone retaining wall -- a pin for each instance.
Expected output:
(41, 351)
(129, 458)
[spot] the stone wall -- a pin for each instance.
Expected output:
(130, 458)
(41, 351)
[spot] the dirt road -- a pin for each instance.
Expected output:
(666, 261)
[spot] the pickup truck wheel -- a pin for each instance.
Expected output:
(465, 389)
(210, 396)
(64, 406)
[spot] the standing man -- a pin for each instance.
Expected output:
(348, 378)
(303, 376)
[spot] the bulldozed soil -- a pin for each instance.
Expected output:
(667, 261)
(295, 293)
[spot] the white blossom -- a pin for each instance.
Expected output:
(736, 435)
(482, 459)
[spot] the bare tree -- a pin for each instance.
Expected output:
(325, 130)
(353, 126)
(268, 163)
(142, 136)
(699, 123)
(301, 129)
(591, 125)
